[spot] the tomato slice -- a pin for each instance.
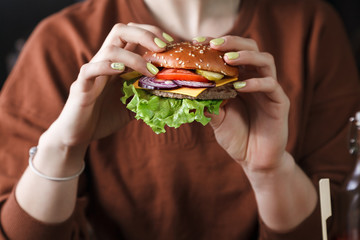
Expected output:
(180, 74)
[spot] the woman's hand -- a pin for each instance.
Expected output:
(253, 128)
(93, 109)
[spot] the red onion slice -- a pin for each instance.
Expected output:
(193, 84)
(154, 83)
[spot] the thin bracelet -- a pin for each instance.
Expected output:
(32, 153)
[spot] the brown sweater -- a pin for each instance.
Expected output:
(178, 185)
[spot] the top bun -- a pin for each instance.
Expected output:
(185, 55)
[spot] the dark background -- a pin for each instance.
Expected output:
(17, 20)
(19, 17)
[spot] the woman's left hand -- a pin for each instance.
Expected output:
(253, 128)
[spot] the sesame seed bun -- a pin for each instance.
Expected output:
(185, 55)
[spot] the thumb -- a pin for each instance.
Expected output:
(217, 119)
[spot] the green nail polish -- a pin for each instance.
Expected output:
(167, 37)
(217, 41)
(238, 85)
(160, 42)
(154, 70)
(232, 55)
(117, 66)
(200, 39)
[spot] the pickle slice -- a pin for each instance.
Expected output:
(213, 76)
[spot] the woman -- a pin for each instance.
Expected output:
(251, 174)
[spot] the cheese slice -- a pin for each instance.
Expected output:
(193, 92)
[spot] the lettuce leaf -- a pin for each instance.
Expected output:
(159, 111)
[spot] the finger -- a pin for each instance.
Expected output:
(130, 59)
(234, 43)
(157, 31)
(201, 40)
(216, 119)
(90, 71)
(263, 61)
(130, 47)
(231, 106)
(122, 34)
(267, 85)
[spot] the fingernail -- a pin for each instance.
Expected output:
(167, 37)
(117, 66)
(154, 70)
(160, 42)
(232, 55)
(217, 41)
(199, 39)
(240, 84)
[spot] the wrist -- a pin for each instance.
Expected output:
(267, 178)
(56, 159)
(284, 194)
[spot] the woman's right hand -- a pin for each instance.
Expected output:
(93, 109)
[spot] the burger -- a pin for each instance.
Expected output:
(192, 79)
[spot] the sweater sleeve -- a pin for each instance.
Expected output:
(17, 224)
(31, 99)
(331, 97)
